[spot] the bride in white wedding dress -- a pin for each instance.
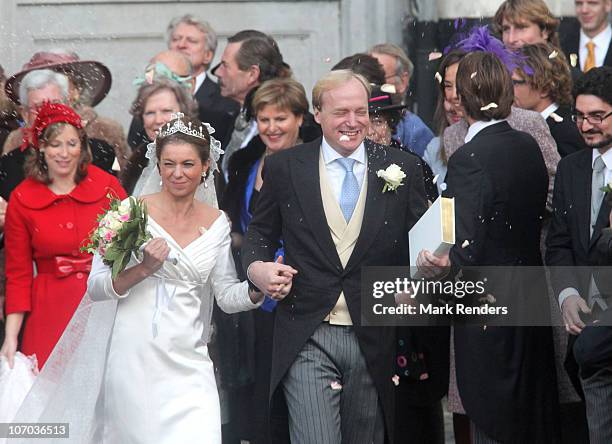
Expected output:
(133, 365)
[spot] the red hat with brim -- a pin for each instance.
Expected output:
(92, 78)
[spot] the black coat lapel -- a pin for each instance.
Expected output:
(581, 184)
(305, 177)
(603, 220)
(374, 211)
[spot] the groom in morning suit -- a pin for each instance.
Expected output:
(325, 201)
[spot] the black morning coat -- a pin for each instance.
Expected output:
(505, 375)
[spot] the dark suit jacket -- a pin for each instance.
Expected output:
(505, 375)
(593, 347)
(569, 240)
(566, 133)
(290, 207)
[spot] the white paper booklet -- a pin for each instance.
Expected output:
(434, 231)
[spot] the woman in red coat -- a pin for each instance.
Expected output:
(48, 217)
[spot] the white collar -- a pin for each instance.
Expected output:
(549, 110)
(601, 40)
(199, 80)
(477, 127)
(606, 157)
(330, 154)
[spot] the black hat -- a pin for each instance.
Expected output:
(381, 99)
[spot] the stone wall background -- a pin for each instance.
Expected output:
(312, 35)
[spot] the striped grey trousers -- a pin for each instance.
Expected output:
(479, 436)
(330, 395)
(598, 399)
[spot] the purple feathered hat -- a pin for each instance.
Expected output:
(480, 39)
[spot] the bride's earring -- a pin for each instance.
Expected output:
(204, 174)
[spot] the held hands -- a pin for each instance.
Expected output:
(273, 278)
(431, 266)
(2, 213)
(571, 308)
(155, 253)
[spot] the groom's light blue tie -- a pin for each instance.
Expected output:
(350, 188)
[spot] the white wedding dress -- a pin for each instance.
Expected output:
(134, 368)
(160, 385)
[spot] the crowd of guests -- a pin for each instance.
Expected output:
(521, 139)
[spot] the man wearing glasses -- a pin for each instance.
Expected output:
(581, 215)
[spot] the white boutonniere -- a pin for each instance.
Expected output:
(393, 177)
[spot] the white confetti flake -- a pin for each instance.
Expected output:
(553, 54)
(556, 117)
(473, 75)
(327, 59)
(434, 56)
(466, 243)
(396, 380)
(388, 88)
(573, 60)
(438, 77)
(435, 179)
(335, 385)
(489, 106)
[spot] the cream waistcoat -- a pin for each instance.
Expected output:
(344, 235)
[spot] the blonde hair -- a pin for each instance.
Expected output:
(284, 93)
(334, 79)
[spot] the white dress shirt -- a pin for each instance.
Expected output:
(336, 172)
(477, 127)
(602, 42)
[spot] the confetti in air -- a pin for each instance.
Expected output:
(344, 138)
(438, 77)
(435, 179)
(556, 117)
(388, 88)
(327, 59)
(335, 385)
(434, 56)
(553, 54)
(489, 106)
(573, 60)
(466, 243)
(473, 75)
(396, 380)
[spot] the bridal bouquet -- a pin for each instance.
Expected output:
(121, 231)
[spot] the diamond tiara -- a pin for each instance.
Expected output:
(180, 127)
